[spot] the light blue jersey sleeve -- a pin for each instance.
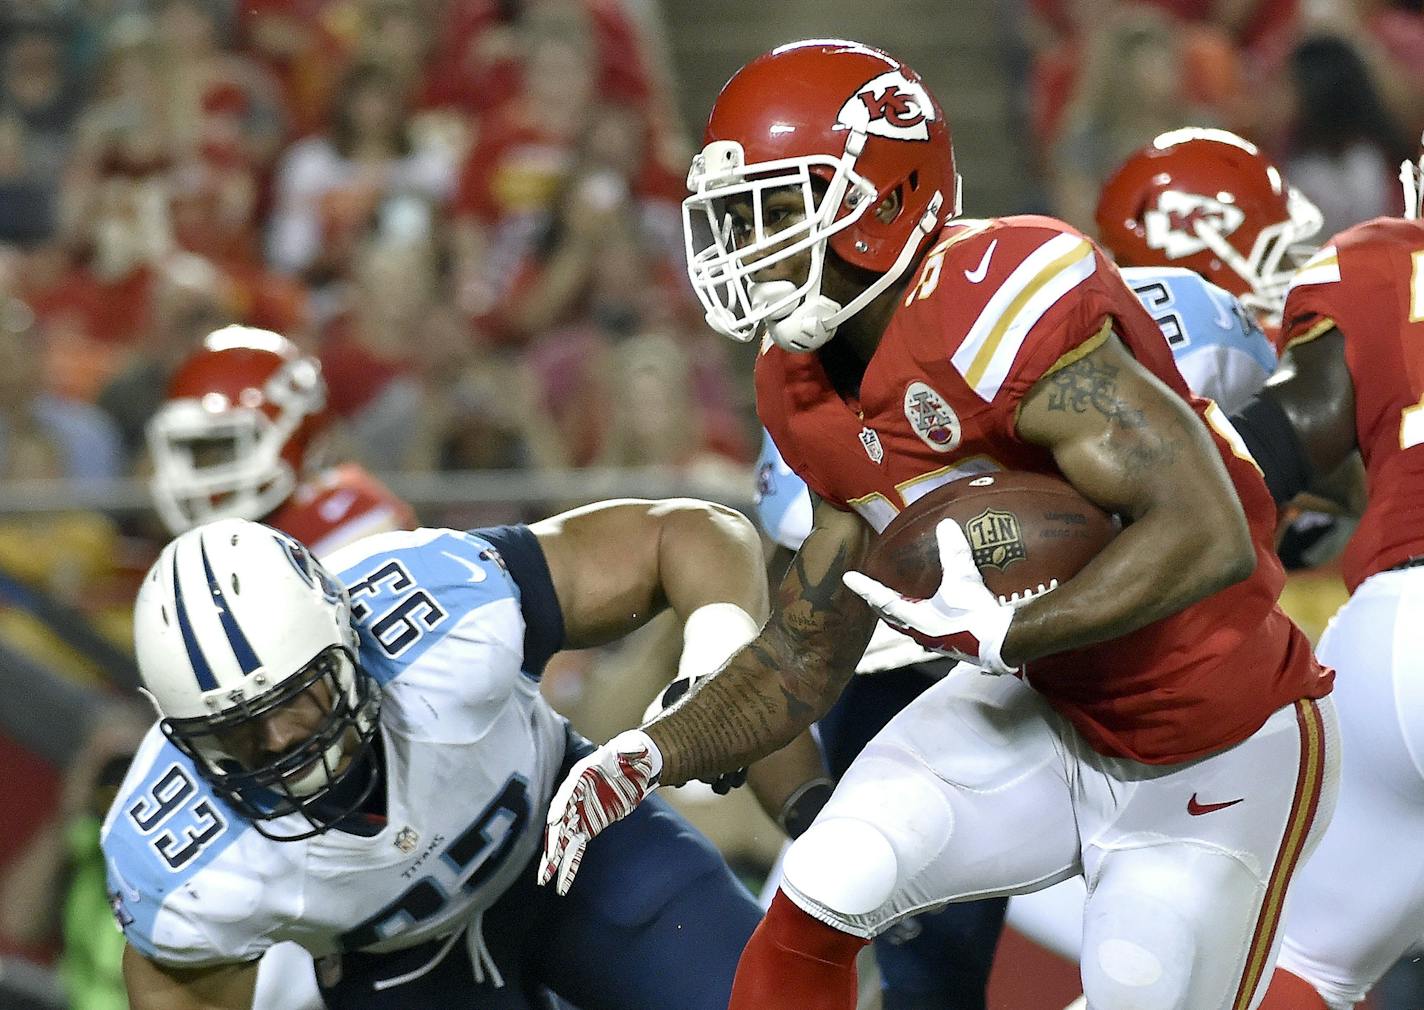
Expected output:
(1220, 349)
(411, 590)
(782, 500)
(176, 892)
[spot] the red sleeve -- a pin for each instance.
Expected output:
(1017, 298)
(1354, 281)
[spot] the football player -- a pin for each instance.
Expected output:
(1190, 205)
(242, 434)
(1225, 356)
(1155, 723)
(1208, 201)
(361, 762)
(1352, 378)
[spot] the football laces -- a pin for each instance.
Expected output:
(1018, 599)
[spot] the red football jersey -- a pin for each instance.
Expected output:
(996, 307)
(339, 506)
(1369, 281)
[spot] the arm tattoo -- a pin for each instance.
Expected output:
(1091, 385)
(775, 687)
(1087, 383)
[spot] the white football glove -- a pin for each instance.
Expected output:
(601, 788)
(962, 620)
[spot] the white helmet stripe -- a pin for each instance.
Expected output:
(196, 659)
(241, 648)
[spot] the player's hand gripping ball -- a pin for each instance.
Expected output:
(951, 567)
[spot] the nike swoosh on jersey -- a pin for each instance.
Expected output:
(1197, 809)
(981, 271)
(477, 574)
(336, 506)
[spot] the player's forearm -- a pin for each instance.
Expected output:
(1194, 553)
(766, 694)
(756, 704)
(785, 678)
(792, 784)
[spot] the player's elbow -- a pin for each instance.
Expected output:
(1228, 554)
(712, 546)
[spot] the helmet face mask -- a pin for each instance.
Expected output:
(247, 648)
(865, 147)
(225, 747)
(216, 464)
(722, 268)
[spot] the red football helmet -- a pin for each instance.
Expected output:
(242, 424)
(844, 125)
(1209, 201)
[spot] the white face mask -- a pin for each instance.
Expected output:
(797, 317)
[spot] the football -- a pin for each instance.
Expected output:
(1029, 533)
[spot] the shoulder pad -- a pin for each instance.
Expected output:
(437, 608)
(178, 895)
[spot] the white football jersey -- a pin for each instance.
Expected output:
(471, 755)
(1218, 345)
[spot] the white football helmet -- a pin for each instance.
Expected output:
(234, 620)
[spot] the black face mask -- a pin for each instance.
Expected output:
(263, 794)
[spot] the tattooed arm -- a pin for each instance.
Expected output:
(1130, 444)
(789, 675)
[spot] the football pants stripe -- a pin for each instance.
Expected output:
(1309, 781)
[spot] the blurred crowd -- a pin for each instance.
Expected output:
(1332, 90)
(468, 211)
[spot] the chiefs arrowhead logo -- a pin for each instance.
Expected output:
(891, 106)
(1171, 225)
(931, 417)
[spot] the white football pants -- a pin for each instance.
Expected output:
(1358, 903)
(978, 788)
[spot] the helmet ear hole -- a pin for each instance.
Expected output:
(891, 206)
(914, 180)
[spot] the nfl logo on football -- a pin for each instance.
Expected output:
(995, 539)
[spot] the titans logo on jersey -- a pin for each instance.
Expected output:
(470, 754)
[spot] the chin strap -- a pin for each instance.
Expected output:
(815, 320)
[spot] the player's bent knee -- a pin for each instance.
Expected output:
(845, 865)
(1140, 958)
